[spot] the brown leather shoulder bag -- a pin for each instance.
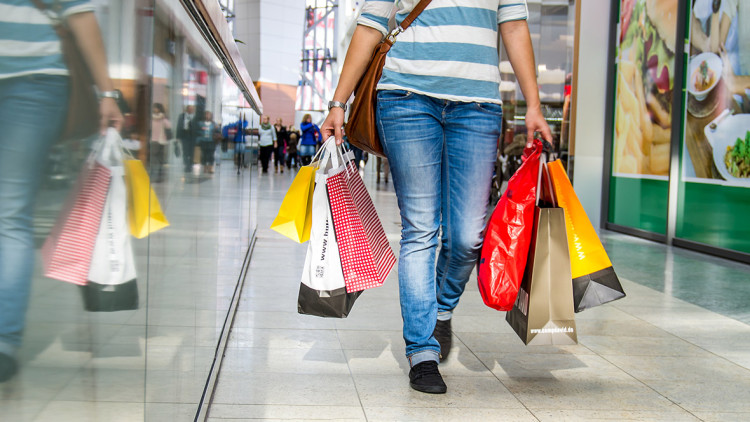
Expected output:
(361, 130)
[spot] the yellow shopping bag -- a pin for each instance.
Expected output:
(144, 212)
(295, 215)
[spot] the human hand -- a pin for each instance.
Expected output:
(334, 125)
(110, 114)
(535, 123)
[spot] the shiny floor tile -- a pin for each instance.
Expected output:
(631, 356)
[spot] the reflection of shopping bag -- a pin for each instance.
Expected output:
(508, 235)
(144, 212)
(543, 310)
(322, 290)
(366, 256)
(177, 148)
(111, 280)
(66, 254)
(295, 215)
(594, 279)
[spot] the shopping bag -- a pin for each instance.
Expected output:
(542, 313)
(144, 211)
(67, 251)
(322, 289)
(366, 255)
(294, 218)
(111, 282)
(508, 235)
(594, 279)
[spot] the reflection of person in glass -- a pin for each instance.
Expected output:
(160, 127)
(186, 134)
(205, 129)
(33, 91)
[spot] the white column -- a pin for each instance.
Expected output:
(593, 51)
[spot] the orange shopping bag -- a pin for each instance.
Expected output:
(594, 279)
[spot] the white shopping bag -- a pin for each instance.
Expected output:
(322, 290)
(322, 270)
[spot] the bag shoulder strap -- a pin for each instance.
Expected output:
(414, 13)
(54, 14)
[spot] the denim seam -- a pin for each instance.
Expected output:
(448, 236)
(424, 349)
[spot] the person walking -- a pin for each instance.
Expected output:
(279, 147)
(310, 137)
(266, 141)
(34, 92)
(291, 147)
(186, 134)
(205, 131)
(439, 116)
(160, 128)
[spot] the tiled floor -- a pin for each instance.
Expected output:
(657, 355)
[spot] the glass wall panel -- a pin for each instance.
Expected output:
(715, 174)
(643, 114)
(551, 24)
(119, 254)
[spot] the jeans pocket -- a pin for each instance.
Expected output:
(490, 108)
(393, 94)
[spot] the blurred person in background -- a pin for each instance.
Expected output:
(34, 88)
(161, 130)
(186, 134)
(279, 146)
(292, 158)
(310, 137)
(266, 141)
(439, 126)
(205, 131)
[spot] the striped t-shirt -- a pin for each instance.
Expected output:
(28, 41)
(449, 51)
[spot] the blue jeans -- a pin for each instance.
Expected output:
(32, 109)
(442, 155)
(306, 150)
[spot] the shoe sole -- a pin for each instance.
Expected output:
(429, 389)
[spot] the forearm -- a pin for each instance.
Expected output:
(86, 32)
(364, 41)
(517, 43)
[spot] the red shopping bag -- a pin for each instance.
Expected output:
(508, 235)
(366, 256)
(68, 250)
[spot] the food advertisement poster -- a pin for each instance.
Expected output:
(714, 200)
(717, 120)
(645, 86)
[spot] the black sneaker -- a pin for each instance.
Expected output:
(443, 335)
(426, 378)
